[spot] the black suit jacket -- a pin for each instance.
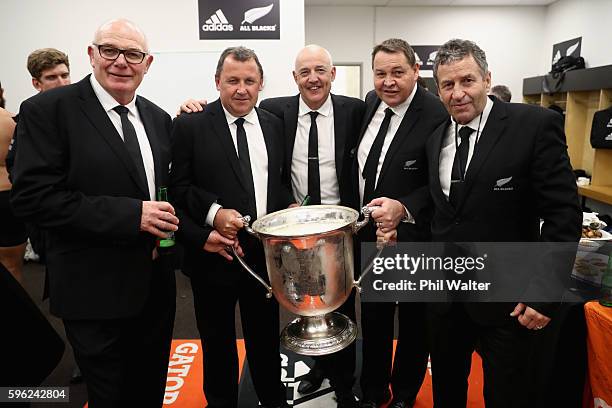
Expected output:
(205, 169)
(524, 148)
(348, 115)
(75, 178)
(404, 173)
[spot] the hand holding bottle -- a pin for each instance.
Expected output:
(158, 218)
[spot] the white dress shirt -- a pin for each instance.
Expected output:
(370, 134)
(330, 192)
(259, 161)
(447, 153)
(108, 103)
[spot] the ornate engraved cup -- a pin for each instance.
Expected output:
(309, 257)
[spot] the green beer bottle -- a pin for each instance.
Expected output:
(164, 245)
(606, 285)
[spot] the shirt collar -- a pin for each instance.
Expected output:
(107, 101)
(324, 110)
(250, 117)
(400, 110)
(477, 121)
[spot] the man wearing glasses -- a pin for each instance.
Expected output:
(91, 157)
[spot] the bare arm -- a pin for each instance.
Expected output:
(7, 127)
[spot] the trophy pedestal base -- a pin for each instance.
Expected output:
(319, 335)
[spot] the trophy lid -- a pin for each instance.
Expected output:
(303, 221)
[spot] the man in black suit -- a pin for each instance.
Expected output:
(318, 161)
(90, 159)
(488, 142)
(390, 170)
(227, 162)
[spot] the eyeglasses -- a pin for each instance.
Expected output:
(111, 53)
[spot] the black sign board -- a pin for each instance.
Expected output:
(570, 47)
(425, 55)
(239, 19)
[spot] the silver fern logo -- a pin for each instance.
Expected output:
(503, 181)
(254, 14)
(499, 184)
(409, 165)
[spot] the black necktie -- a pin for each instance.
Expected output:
(245, 165)
(131, 142)
(371, 164)
(314, 179)
(459, 164)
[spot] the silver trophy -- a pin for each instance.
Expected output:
(309, 257)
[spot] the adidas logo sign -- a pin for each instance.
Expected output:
(217, 22)
(609, 123)
(609, 137)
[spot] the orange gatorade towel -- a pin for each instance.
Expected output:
(599, 333)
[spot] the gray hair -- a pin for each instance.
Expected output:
(456, 50)
(241, 54)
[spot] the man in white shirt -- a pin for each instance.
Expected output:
(320, 132)
(227, 163)
(90, 158)
(486, 144)
(390, 170)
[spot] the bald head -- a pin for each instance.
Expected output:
(313, 51)
(120, 58)
(314, 74)
(121, 27)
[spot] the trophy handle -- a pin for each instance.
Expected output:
(246, 219)
(357, 283)
(366, 211)
(253, 274)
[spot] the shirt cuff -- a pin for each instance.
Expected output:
(409, 219)
(212, 212)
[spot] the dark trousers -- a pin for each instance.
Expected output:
(504, 349)
(215, 307)
(406, 372)
(125, 361)
(339, 367)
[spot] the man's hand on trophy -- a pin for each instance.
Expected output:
(389, 213)
(221, 245)
(228, 222)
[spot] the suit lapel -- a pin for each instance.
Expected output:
(290, 119)
(434, 166)
(222, 131)
(147, 119)
(403, 131)
(340, 121)
(94, 111)
(371, 107)
(490, 135)
(268, 132)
